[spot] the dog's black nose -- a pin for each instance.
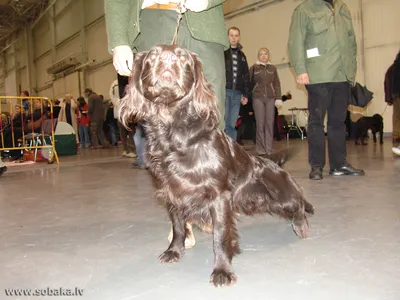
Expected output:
(168, 56)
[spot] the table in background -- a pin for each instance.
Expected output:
(294, 126)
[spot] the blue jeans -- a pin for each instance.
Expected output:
(84, 136)
(113, 133)
(232, 107)
(140, 144)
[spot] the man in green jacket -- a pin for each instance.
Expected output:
(138, 25)
(323, 52)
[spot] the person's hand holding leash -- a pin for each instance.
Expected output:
(123, 60)
(303, 79)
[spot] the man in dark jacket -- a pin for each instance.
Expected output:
(392, 95)
(96, 114)
(323, 53)
(237, 81)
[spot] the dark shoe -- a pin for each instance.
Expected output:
(3, 170)
(136, 165)
(96, 148)
(316, 174)
(346, 170)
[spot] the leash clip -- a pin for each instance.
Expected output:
(178, 21)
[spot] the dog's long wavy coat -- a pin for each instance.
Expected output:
(200, 173)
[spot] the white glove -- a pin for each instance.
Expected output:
(123, 60)
(278, 103)
(196, 5)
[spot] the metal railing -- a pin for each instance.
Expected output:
(27, 124)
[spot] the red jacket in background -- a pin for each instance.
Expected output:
(84, 119)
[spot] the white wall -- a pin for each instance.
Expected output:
(381, 44)
(376, 27)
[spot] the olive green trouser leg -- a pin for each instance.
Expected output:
(158, 28)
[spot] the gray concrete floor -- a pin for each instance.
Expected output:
(93, 223)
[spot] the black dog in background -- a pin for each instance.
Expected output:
(375, 123)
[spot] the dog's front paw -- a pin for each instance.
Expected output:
(170, 256)
(221, 277)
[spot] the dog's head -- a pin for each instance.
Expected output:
(378, 118)
(165, 79)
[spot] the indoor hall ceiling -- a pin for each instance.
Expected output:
(14, 14)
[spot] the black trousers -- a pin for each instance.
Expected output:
(277, 134)
(122, 83)
(332, 98)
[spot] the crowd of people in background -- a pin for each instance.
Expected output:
(93, 120)
(247, 97)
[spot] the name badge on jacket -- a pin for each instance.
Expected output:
(314, 52)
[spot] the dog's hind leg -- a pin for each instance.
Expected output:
(374, 135)
(275, 193)
(177, 247)
(300, 224)
(309, 209)
(294, 209)
(364, 135)
(225, 241)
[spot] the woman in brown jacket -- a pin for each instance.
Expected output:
(267, 89)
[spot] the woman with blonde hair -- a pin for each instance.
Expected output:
(68, 113)
(266, 94)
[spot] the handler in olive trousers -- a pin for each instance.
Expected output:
(140, 25)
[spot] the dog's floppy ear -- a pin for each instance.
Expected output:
(204, 100)
(134, 106)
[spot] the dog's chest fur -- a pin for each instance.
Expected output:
(192, 166)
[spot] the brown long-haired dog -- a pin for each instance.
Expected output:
(200, 173)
